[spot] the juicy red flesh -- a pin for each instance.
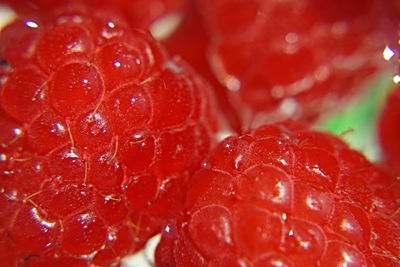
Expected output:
(303, 206)
(100, 130)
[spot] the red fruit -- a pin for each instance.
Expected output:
(315, 203)
(100, 130)
(319, 53)
(284, 59)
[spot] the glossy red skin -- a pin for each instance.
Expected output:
(100, 130)
(285, 195)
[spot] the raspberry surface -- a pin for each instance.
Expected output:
(286, 195)
(100, 131)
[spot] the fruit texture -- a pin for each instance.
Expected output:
(100, 129)
(286, 195)
(292, 59)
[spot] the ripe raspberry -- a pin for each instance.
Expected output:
(286, 195)
(280, 59)
(100, 130)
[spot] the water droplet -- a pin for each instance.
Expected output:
(388, 53)
(31, 24)
(396, 79)
(60, 127)
(17, 131)
(111, 24)
(111, 236)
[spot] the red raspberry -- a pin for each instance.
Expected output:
(100, 130)
(286, 195)
(297, 59)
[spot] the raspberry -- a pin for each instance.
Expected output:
(286, 59)
(100, 131)
(285, 195)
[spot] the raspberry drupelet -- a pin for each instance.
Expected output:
(100, 131)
